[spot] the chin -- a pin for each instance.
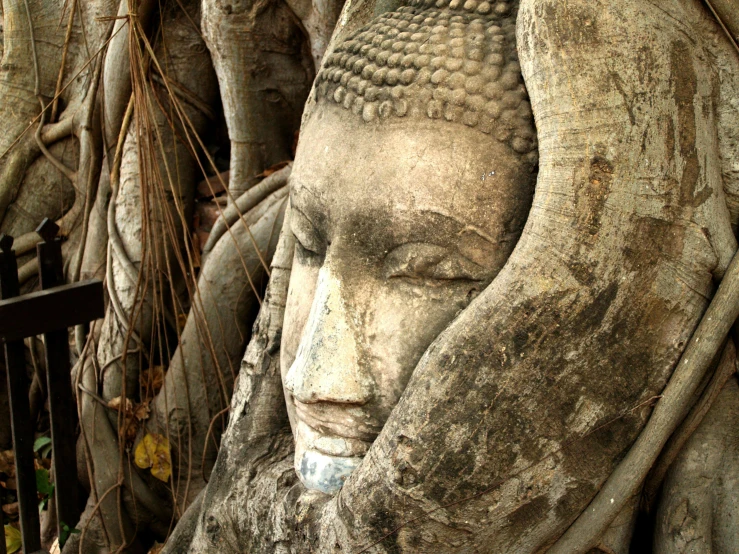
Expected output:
(322, 472)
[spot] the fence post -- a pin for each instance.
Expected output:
(22, 426)
(62, 413)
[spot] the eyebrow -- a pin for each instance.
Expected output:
(465, 225)
(320, 205)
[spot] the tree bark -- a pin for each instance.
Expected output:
(553, 370)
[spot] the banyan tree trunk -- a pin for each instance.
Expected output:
(110, 110)
(545, 381)
(542, 385)
(139, 238)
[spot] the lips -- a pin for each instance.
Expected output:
(336, 430)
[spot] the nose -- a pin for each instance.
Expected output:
(326, 368)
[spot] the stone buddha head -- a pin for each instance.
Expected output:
(411, 185)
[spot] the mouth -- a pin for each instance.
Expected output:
(334, 431)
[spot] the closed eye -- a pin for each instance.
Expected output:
(417, 260)
(307, 236)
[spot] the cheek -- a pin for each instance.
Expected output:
(403, 322)
(299, 299)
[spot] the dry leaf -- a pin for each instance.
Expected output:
(203, 237)
(273, 169)
(141, 411)
(11, 509)
(131, 428)
(213, 185)
(132, 416)
(7, 463)
(153, 452)
(151, 381)
(55, 547)
(156, 549)
(115, 404)
(206, 215)
(197, 249)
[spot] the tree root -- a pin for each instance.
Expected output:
(199, 382)
(244, 203)
(625, 481)
(45, 136)
(27, 271)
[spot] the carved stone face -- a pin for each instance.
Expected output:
(399, 225)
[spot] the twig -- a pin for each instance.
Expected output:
(248, 200)
(83, 371)
(96, 507)
(114, 238)
(167, 217)
(185, 95)
(721, 22)
(207, 436)
(726, 368)
(112, 229)
(65, 50)
(37, 85)
(92, 395)
(68, 173)
(88, 161)
(186, 119)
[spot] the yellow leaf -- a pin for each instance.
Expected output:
(12, 539)
(153, 452)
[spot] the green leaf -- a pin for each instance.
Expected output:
(45, 451)
(13, 541)
(43, 485)
(64, 535)
(40, 442)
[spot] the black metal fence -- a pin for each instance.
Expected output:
(48, 312)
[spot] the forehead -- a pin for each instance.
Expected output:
(346, 165)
